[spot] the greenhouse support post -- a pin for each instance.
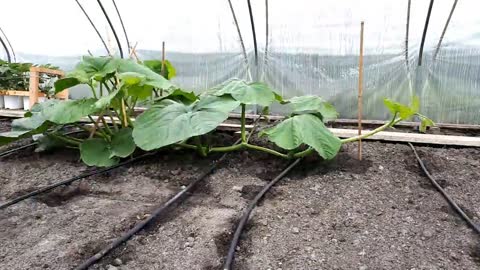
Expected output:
(360, 91)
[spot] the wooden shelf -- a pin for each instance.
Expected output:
(23, 93)
(34, 93)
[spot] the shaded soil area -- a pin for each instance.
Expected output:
(379, 213)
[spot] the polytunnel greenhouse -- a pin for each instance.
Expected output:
(239, 134)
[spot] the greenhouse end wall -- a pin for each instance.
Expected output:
(305, 48)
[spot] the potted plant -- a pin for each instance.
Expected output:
(13, 76)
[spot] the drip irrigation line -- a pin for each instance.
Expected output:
(248, 211)
(253, 32)
(123, 25)
(425, 28)
(111, 27)
(444, 30)
(242, 44)
(447, 197)
(94, 27)
(155, 214)
(11, 151)
(9, 44)
(9, 58)
(71, 180)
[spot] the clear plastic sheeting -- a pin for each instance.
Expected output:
(312, 47)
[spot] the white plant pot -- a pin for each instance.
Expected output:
(13, 102)
(2, 103)
(26, 102)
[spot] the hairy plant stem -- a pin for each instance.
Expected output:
(113, 120)
(124, 114)
(93, 91)
(68, 140)
(393, 122)
(96, 128)
(107, 128)
(244, 137)
(200, 148)
(266, 150)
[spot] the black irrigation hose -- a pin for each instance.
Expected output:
(9, 58)
(123, 25)
(71, 180)
(94, 27)
(246, 215)
(11, 151)
(425, 28)
(157, 212)
(9, 45)
(452, 203)
(111, 27)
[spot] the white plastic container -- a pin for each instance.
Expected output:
(2, 104)
(13, 102)
(26, 102)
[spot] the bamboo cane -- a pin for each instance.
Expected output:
(360, 91)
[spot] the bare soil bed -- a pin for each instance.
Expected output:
(379, 213)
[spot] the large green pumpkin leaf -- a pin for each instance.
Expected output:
(172, 121)
(156, 65)
(247, 93)
(151, 78)
(106, 100)
(69, 111)
(96, 152)
(32, 123)
(304, 129)
(315, 105)
(122, 144)
(131, 78)
(404, 111)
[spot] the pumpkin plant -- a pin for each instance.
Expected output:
(116, 86)
(177, 117)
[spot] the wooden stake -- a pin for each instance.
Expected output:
(163, 59)
(360, 91)
(162, 71)
(133, 52)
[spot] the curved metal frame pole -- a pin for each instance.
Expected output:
(444, 30)
(242, 44)
(425, 29)
(9, 44)
(111, 27)
(123, 26)
(94, 27)
(9, 58)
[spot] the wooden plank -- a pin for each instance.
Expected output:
(369, 122)
(47, 70)
(412, 137)
(387, 136)
(12, 113)
(14, 93)
(34, 84)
